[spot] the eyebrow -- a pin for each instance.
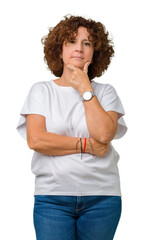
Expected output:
(87, 40)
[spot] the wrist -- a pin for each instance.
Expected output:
(87, 149)
(89, 146)
(84, 145)
(84, 89)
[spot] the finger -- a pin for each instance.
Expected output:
(70, 66)
(85, 69)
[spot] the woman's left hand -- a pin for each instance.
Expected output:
(79, 78)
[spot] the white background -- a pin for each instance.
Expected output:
(23, 23)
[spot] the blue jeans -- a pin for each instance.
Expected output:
(58, 217)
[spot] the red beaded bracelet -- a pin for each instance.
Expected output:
(84, 145)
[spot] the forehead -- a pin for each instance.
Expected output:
(82, 32)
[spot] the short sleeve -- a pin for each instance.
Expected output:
(33, 104)
(112, 102)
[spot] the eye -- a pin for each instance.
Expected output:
(68, 42)
(72, 41)
(87, 43)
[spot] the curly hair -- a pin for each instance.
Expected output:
(67, 29)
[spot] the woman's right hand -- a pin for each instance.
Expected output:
(98, 149)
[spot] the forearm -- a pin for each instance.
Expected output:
(99, 123)
(59, 152)
(54, 144)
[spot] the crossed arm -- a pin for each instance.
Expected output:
(102, 125)
(48, 143)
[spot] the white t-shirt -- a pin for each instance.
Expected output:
(65, 115)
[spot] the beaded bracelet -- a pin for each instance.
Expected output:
(84, 144)
(81, 147)
(83, 150)
(90, 146)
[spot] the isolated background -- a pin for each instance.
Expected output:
(23, 23)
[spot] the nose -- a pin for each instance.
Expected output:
(79, 47)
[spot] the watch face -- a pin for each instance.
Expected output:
(87, 95)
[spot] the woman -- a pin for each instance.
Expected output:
(70, 122)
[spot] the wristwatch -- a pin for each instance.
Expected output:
(87, 95)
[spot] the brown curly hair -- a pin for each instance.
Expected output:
(66, 30)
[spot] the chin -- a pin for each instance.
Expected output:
(78, 65)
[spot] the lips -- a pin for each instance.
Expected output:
(78, 57)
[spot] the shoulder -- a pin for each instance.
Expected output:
(40, 88)
(102, 88)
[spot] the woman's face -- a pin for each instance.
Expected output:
(79, 50)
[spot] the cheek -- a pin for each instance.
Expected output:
(66, 54)
(89, 55)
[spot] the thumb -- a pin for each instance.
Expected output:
(85, 69)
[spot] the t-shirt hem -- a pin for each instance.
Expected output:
(79, 194)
